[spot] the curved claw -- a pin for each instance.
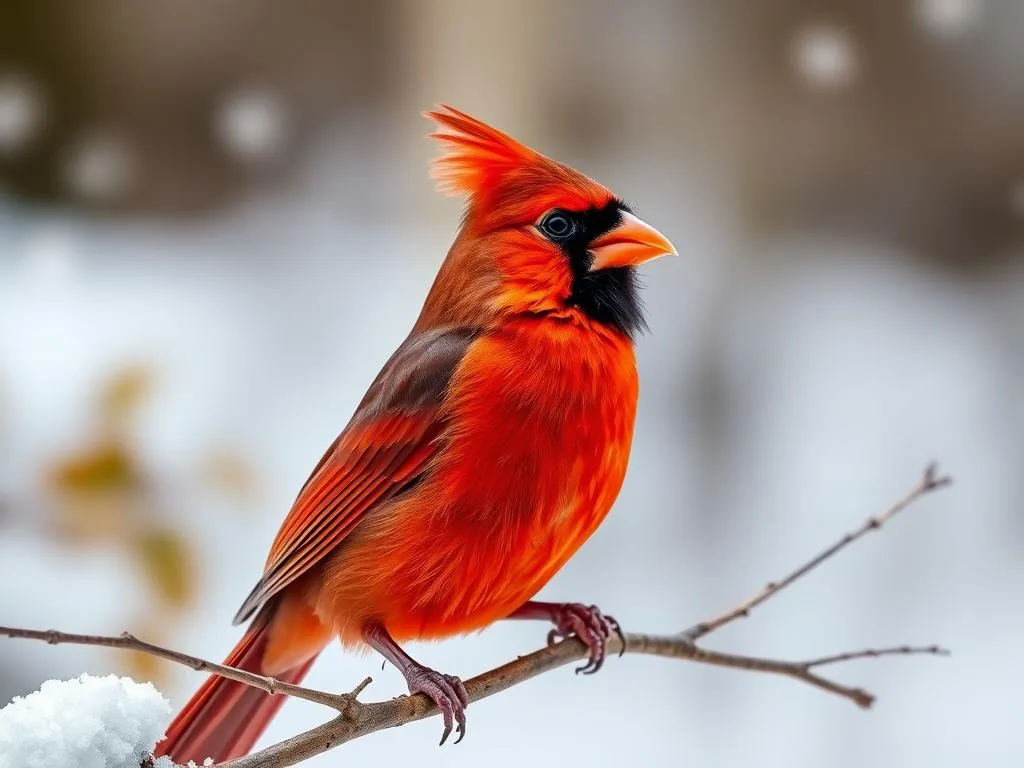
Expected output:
(446, 691)
(589, 625)
(617, 628)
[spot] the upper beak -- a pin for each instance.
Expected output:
(631, 243)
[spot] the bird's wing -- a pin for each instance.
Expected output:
(384, 449)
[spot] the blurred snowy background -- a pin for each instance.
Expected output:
(216, 224)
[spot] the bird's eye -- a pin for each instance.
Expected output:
(558, 226)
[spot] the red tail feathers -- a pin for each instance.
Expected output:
(224, 718)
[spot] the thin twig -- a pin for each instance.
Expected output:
(930, 481)
(127, 641)
(874, 653)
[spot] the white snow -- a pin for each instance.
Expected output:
(89, 722)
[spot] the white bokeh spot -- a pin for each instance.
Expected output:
(947, 18)
(99, 167)
(21, 112)
(825, 56)
(252, 125)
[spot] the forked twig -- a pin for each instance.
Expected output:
(930, 481)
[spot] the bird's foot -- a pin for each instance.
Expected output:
(446, 691)
(589, 625)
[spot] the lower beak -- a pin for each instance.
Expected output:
(630, 244)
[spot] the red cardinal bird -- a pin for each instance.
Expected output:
(488, 449)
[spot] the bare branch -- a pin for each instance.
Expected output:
(930, 481)
(406, 709)
(129, 642)
(357, 719)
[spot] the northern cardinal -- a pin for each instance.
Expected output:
(488, 449)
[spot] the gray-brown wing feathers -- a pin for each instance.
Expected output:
(413, 383)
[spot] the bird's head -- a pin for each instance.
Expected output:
(538, 237)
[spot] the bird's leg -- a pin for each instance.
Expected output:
(586, 622)
(446, 691)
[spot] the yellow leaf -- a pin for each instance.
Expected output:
(103, 467)
(96, 491)
(125, 392)
(168, 563)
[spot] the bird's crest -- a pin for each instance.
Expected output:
(503, 179)
(477, 155)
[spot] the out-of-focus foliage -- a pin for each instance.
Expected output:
(100, 490)
(104, 467)
(169, 564)
(103, 495)
(124, 395)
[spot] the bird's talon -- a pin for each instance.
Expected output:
(447, 692)
(592, 627)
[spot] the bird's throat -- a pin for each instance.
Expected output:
(610, 297)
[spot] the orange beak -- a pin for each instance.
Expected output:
(628, 245)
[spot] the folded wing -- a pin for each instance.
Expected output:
(388, 445)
